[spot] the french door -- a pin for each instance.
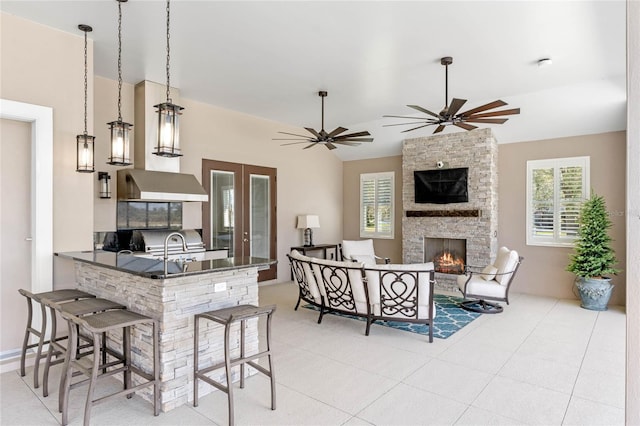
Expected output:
(241, 212)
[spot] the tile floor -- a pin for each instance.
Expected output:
(543, 361)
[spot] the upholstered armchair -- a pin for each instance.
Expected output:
(361, 251)
(491, 283)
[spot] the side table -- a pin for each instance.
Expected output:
(318, 247)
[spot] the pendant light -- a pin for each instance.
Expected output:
(84, 142)
(168, 115)
(119, 155)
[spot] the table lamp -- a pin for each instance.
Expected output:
(307, 222)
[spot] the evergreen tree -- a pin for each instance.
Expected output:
(593, 256)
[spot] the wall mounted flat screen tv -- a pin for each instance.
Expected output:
(441, 186)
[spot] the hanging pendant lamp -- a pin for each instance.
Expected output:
(168, 115)
(85, 142)
(119, 153)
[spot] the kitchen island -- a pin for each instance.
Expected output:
(173, 298)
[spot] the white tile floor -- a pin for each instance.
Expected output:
(542, 361)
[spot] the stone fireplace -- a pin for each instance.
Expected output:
(475, 222)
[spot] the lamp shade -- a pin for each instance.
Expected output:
(308, 221)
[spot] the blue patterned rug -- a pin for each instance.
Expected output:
(450, 317)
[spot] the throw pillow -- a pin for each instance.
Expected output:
(489, 272)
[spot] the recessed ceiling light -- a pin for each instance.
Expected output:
(544, 62)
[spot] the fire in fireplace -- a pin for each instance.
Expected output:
(447, 254)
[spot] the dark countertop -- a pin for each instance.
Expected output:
(153, 268)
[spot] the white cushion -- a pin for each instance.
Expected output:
(478, 286)
(373, 285)
(506, 262)
(351, 248)
(403, 267)
(489, 272)
(341, 270)
(310, 278)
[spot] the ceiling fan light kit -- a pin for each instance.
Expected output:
(330, 139)
(449, 114)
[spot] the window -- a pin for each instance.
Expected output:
(556, 189)
(376, 205)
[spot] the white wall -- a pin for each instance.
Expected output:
(633, 213)
(45, 67)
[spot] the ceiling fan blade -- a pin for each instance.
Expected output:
(403, 116)
(313, 132)
(486, 120)
(490, 105)
(347, 143)
(353, 135)
(294, 134)
(439, 128)
(513, 111)
(293, 143)
(455, 106)
(337, 131)
(292, 139)
(426, 111)
(353, 140)
(310, 145)
(399, 124)
(329, 145)
(465, 126)
(415, 128)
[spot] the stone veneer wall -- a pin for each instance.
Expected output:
(174, 302)
(477, 150)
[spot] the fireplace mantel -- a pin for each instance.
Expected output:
(444, 213)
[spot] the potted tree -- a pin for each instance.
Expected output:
(593, 257)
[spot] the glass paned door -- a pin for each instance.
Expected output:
(259, 199)
(260, 216)
(240, 214)
(222, 210)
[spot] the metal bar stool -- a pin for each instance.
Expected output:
(58, 296)
(97, 325)
(226, 317)
(78, 308)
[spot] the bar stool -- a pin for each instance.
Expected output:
(226, 317)
(97, 325)
(78, 308)
(58, 296)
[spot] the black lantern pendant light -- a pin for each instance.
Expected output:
(85, 142)
(119, 155)
(168, 115)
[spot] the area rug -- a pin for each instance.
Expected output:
(449, 318)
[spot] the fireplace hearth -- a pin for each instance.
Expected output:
(449, 255)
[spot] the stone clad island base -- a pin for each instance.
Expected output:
(174, 301)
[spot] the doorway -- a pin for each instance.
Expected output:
(240, 215)
(39, 119)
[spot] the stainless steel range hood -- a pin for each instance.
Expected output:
(147, 185)
(154, 178)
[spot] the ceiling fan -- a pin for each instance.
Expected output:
(449, 114)
(328, 139)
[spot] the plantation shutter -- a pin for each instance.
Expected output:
(376, 205)
(556, 189)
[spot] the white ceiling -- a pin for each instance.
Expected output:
(269, 59)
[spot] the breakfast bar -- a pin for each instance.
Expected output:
(173, 298)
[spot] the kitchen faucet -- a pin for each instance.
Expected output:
(166, 243)
(166, 247)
